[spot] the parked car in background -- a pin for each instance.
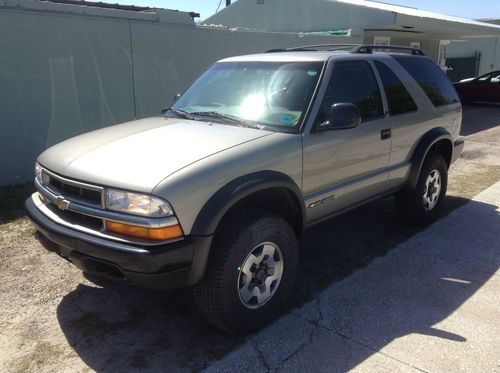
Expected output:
(485, 88)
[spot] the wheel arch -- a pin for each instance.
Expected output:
(271, 189)
(439, 140)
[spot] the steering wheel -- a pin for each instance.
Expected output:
(217, 104)
(270, 95)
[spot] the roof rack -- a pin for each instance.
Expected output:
(370, 48)
(317, 47)
(353, 48)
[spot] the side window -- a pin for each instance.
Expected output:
(485, 78)
(352, 82)
(495, 79)
(431, 79)
(398, 97)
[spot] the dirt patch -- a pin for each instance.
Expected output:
(41, 353)
(54, 319)
(11, 201)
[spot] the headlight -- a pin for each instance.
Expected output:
(38, 172)
(137, 204)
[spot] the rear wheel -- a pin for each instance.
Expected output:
(250, 273)
(420, 205)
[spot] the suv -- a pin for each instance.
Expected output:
(215, 192)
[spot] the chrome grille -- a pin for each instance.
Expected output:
(79, 192)
(81, 206)
(74, 191)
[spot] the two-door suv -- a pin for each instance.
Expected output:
(215, 192)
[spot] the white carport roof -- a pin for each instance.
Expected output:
(416, 20)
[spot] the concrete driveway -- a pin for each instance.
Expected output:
(432, 304)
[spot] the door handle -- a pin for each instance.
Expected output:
(385, 134)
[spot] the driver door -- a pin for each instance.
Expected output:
(347, 166)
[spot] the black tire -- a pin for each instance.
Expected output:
(218, 297)
(410, 204)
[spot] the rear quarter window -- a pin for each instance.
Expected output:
(431, 79)
(398, 97)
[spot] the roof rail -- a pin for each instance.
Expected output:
(371, 48)
(353, 48)
(317, 47)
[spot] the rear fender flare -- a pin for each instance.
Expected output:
(424, 145)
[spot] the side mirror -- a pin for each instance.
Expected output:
(342, 116)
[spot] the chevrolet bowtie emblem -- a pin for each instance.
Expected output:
(61, 203)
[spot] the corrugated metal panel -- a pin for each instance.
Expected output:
(155, 15)
(64, 71)
(300, 16)
(323, 15)
(413, 12)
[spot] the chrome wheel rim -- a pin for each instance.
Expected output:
(260, 275)
(432, 190)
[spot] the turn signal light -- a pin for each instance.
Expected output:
(159, 234)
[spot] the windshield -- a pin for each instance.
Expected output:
(264, 93)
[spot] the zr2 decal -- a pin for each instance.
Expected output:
(321, 202)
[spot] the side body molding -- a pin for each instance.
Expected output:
(421, 150)
(216, 207)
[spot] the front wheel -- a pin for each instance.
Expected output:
(250, 273)
(420, 205)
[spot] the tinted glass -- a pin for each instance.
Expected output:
(352, 82)
(398, 97)
(431, 79)
(490, 78)
(495, 79)
(485, 78)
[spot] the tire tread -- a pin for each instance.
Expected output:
(209, 293)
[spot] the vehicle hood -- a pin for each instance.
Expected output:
(138, 155)
(466, 80)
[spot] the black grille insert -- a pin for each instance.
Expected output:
(73, 192)
(77, 218)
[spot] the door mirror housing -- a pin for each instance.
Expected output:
(342, 116)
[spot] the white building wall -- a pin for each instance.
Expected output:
(488, 47)
(429, 46)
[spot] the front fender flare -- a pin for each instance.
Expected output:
(219, 204)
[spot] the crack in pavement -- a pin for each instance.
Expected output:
(262, 357)
(317, 324)
(298, 350)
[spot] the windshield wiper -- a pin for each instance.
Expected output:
(234, 119)
(179, 112)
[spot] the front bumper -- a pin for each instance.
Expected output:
(168, 266)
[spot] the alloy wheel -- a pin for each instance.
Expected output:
(260, 275)
(432, 190)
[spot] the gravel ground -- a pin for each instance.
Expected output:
(54, 319)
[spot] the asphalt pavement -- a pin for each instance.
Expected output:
(431, 304)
